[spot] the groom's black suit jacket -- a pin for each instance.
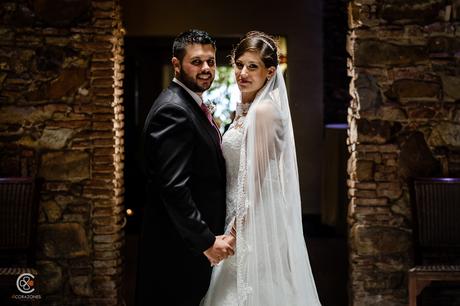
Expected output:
(185, 205)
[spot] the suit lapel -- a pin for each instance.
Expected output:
(199, 114)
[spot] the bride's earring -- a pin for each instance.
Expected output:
(269, 77)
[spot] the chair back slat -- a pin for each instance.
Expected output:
(438, 212)
(436, 219)
(17, 207)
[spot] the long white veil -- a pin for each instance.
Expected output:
(273, 267)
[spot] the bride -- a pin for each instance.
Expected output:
(270, 265)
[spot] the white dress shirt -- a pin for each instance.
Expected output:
(194, 95)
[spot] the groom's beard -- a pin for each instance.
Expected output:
(191, 82)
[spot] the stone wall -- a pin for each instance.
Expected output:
(61, 119)
(404, 121)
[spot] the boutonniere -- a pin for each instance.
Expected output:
(211, 106)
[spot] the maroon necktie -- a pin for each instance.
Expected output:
(209, 116)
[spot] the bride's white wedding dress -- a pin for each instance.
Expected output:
(270, 266)
(223, 290)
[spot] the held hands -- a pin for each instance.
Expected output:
(230, 239)
(220, 250)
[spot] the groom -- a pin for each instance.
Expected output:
(185, 209)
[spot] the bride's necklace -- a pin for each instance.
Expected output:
(241, 112)
(242, 108)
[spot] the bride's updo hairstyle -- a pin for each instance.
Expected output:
(256, 41)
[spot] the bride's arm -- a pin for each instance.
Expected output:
(263, 140)
(266, 143)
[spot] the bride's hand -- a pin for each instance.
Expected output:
(220, 250)
(229, 239)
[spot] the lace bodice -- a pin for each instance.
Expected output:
(231, 147)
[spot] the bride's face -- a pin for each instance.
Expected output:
(251, 73)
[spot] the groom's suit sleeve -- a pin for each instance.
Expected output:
(173, 139)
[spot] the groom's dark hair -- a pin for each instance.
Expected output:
(190, 37)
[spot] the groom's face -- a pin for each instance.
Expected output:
(198, 67)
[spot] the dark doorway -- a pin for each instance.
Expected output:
(144, 62)
(147, 73)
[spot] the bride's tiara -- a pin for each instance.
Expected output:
(267, 43)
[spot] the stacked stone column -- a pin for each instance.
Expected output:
(61, 119)
(403, 122)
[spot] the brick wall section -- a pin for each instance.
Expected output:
(61, 119)
(404, 121)
(108, 213)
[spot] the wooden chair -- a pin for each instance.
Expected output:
(436, 218)
(18, 222)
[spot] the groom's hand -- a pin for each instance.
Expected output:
(220, 250)
(230, 240)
